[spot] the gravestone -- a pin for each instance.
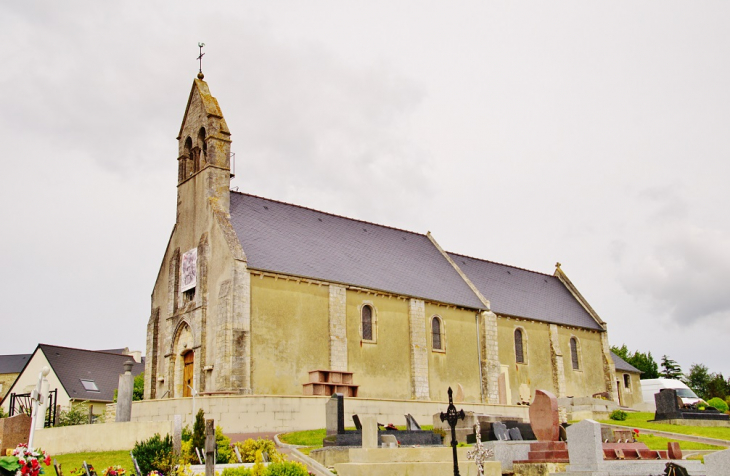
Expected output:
(389, 441)
(369, 431)
(90, 471)
(411, 423)
(238, 454)
(673, 450)
(716, 464)
(124, 393)
(666, 401)
(585, 448)
(335, 414)
(209, 447)
(356, 421)
(57, 467)
(544, 417)
(514, 434)
(137, 471)
(176, 434)
(500, 431)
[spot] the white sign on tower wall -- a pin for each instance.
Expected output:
(189, 268)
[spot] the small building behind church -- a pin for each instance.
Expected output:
(258, 296)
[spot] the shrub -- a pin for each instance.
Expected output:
(199, 430)
(75, 414)
(286, 468)
(719, 404)
(154, 454)
(187, 434)
(2, 413)
(187, 453)
(249, 448)
(240, 471)
(618, 415)
(223, 446)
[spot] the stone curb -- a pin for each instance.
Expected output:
(285, 445)
(318, 469)
(677, 436)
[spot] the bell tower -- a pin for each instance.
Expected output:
(204, 144)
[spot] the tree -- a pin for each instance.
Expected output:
(138, 392)
(199, 430)
(670, 368)
(717, 387)
(698, 380)
(643, 362)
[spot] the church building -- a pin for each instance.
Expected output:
(257, 296)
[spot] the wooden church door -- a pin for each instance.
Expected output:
(188, 360)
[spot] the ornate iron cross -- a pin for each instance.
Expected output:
(452, 417)
(479, 454)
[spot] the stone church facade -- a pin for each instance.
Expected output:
(254, 294)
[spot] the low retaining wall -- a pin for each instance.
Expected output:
(252, 413)
(98, 437)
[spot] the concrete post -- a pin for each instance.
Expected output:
(209, 448)
(124, 393)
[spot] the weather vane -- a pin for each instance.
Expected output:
(200, 58)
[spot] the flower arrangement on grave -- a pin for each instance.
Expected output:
(24, 461)
(154, 472)
(636, 433)
(116, 470)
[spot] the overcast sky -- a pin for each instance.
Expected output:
(593, 134)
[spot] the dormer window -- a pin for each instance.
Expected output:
(89, 385)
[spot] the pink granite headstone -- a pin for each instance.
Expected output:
(544, 418)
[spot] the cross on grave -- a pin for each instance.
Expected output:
(479, 454)
(452, 417)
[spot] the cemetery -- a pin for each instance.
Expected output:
(538, 441)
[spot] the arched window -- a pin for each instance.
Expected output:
(367, 322)
(519, 350)
(574, 353)
(437, 333)
(202, 159)
(184, 165)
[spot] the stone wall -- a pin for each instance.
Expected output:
(249, 413)
(99, 437)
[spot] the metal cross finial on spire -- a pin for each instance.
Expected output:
(200, 58)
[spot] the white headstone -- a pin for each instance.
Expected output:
(585, 448)
(369, 431)
(717, 464)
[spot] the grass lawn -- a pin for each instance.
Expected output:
(100, 461)
(641, 420)
(660, 443)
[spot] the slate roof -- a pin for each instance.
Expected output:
(521, 293)
(289, 239)
(71, 365)
(621, 364)
(13, 364)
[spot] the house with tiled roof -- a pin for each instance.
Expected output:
(258, 296)
(78, 375)
(627, 382)
(10, 367)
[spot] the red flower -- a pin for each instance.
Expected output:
(47, 461)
